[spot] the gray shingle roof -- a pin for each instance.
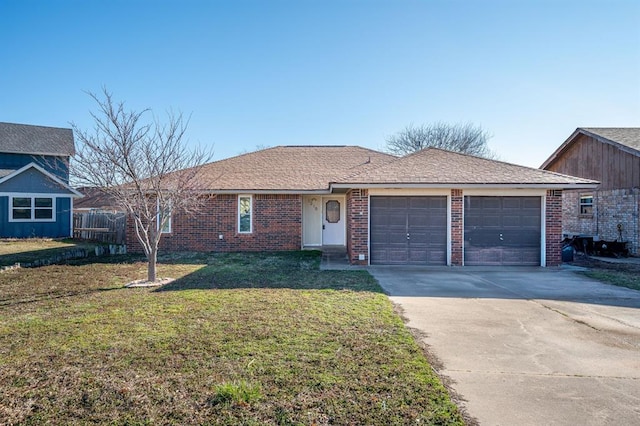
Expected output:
(314, 168)
(627, 136)
(38, 140)
(290, 168)
(439, 167)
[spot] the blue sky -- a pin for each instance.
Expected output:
(267, 73)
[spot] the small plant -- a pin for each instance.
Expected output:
(239, 393)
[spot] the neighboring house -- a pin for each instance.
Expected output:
(95, 200)
(433, 207)
(612, 157)
(35, 197)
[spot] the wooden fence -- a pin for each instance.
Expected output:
(97, 226)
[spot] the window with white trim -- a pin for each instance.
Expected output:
(586, 204)
(32, 209)
(245, 222)
(166, 228)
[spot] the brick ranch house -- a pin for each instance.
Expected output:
(432, 207)
(611, 156)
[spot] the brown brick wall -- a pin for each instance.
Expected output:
(358, 225)
(553, 227)
(610, 208)
(277, 225)
(457, 227)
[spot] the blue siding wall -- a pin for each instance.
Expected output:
(34, 182)
(60, 228)
(57, 166)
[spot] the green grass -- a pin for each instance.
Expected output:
(28, 250)
(629, 279)
(236, 339)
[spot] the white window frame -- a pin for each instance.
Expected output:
(33, 207)
(167, 226)
(581, 204)
(250, 197)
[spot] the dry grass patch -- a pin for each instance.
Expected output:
(287, 344)
(619, 274)
(28, 250)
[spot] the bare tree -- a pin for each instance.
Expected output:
(465, 138)
(144, 165)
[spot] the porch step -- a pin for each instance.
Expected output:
(334, 253)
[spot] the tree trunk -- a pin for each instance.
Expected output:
(151, 266)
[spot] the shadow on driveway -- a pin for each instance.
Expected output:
(501, 283)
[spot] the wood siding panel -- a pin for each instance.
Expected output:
(591, 159)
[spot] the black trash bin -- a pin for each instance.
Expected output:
(567, 253)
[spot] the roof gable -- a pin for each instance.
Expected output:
(435, 166)
(624, 138)
(27, 172)
(36, 140)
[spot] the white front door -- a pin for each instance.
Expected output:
(333, 229)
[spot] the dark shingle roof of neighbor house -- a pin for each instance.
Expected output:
(37, 140)
(440, 167)
(94, 198)
(625, 138)
(315, 168)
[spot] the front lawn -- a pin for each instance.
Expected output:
(237, 339)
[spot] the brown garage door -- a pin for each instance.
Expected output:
(502, 230)
(409, 230)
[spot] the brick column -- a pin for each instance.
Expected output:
(457, 216)
(553, 227)
(358, 225)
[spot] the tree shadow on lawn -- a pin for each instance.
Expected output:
(242, 270)
(299, 270)
(208, 278)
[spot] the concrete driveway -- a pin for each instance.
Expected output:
(527, 346)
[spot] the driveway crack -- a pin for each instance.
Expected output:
(516, 373)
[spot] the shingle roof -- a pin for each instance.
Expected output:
(94, 198)
(314, 168)
(290, 168)
(38, 140)
(627, 136)
(6, 172)
(438, 167)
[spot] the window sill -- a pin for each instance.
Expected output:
(585, 216)
(32, 220)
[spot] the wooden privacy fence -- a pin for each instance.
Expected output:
(98, 226)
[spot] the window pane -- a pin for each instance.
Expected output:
(333, 211)
(245, 205)
(244, 214)
(22, 213)
(22, 202)
(586, 204)
(245, 223)
(166, 228)
(44, 202)
(44, 213)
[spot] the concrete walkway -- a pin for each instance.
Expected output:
(527, 346)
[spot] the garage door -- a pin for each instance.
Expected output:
(409, 230)
(502, 230)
